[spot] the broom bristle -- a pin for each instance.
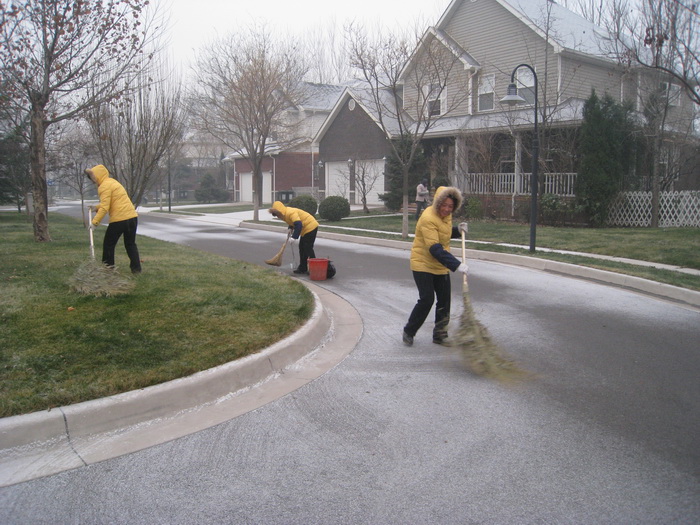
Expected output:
(94, 278)
(275, 261)
(482, 355)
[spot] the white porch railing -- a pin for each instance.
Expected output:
(561, 184)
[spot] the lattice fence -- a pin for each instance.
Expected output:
(676, 209)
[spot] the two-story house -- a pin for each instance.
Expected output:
(486, 145)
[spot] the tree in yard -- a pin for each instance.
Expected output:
(73, 153)
(245, 85)
(366, 175)
(404, 80)
(658, 35)
(660, 38)
(208, 190)
(606, 149)
(136, 135)
(60, 58)
(393, 199)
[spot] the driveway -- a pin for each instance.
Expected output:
(607, 432)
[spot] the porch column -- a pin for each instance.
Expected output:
(518, 166)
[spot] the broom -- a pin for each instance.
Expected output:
(482, 355)
(95, 278)
(277, 259)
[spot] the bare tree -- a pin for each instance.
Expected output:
(661, 38)
(366, 176)
(135, 135)
(52, 52)
(75, 151)
(404, 79)
(330, 63)
(660, 35)
(245, 85)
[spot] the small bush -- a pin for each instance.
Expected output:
(304, 202)
(472, 208)
(334, 208)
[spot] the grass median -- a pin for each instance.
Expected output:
(189, 311)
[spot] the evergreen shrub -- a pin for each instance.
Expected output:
(334, 208)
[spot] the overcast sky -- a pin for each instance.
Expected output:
(195, 22)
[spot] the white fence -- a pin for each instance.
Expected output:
(676, 209)
(511, 184)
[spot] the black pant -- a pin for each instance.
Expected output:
(431, 286)
(306, 249)
(420, 206)
(116, 230)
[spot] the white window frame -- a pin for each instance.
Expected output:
(526, 85)
(487, 86)
(432, 95)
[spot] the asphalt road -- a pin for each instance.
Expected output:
(607, 432)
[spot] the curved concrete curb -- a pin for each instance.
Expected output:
(674, 293)
(44, 443)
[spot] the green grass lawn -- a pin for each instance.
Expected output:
(189, 311)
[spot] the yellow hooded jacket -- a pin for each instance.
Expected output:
(291, 215)
(432, 229)
(113, 198)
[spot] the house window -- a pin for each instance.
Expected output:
(526, 85)
(672, 92)
(433, 98)
(486, 92)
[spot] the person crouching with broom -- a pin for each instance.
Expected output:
(123, 219)
(304, 229)
(431, 263)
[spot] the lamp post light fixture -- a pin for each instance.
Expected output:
(512, 98)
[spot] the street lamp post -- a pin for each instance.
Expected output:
(513, 98)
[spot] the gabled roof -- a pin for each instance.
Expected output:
(568, 31)
(320, 97)
(362, 97)
(468, 61)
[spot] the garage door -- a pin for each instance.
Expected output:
(247, 187)
(371, 171)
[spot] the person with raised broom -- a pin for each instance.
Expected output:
(123, 219)
(431, 263)
(304, 228)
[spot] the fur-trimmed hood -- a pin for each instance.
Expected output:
(442, 193)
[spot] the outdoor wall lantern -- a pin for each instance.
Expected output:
(512, 98)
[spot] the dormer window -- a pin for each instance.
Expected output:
(486, 92)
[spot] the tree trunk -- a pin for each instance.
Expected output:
(257, 189)
(404, 220)
(655, 183)
(38, 171)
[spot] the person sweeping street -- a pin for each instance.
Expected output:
(431, 263)
(304, 229)
(123, 219)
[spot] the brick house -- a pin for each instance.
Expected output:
(290, 167)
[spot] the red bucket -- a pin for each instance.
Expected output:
(318, 269)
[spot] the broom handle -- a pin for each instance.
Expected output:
(92, 239)
(464, 258)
